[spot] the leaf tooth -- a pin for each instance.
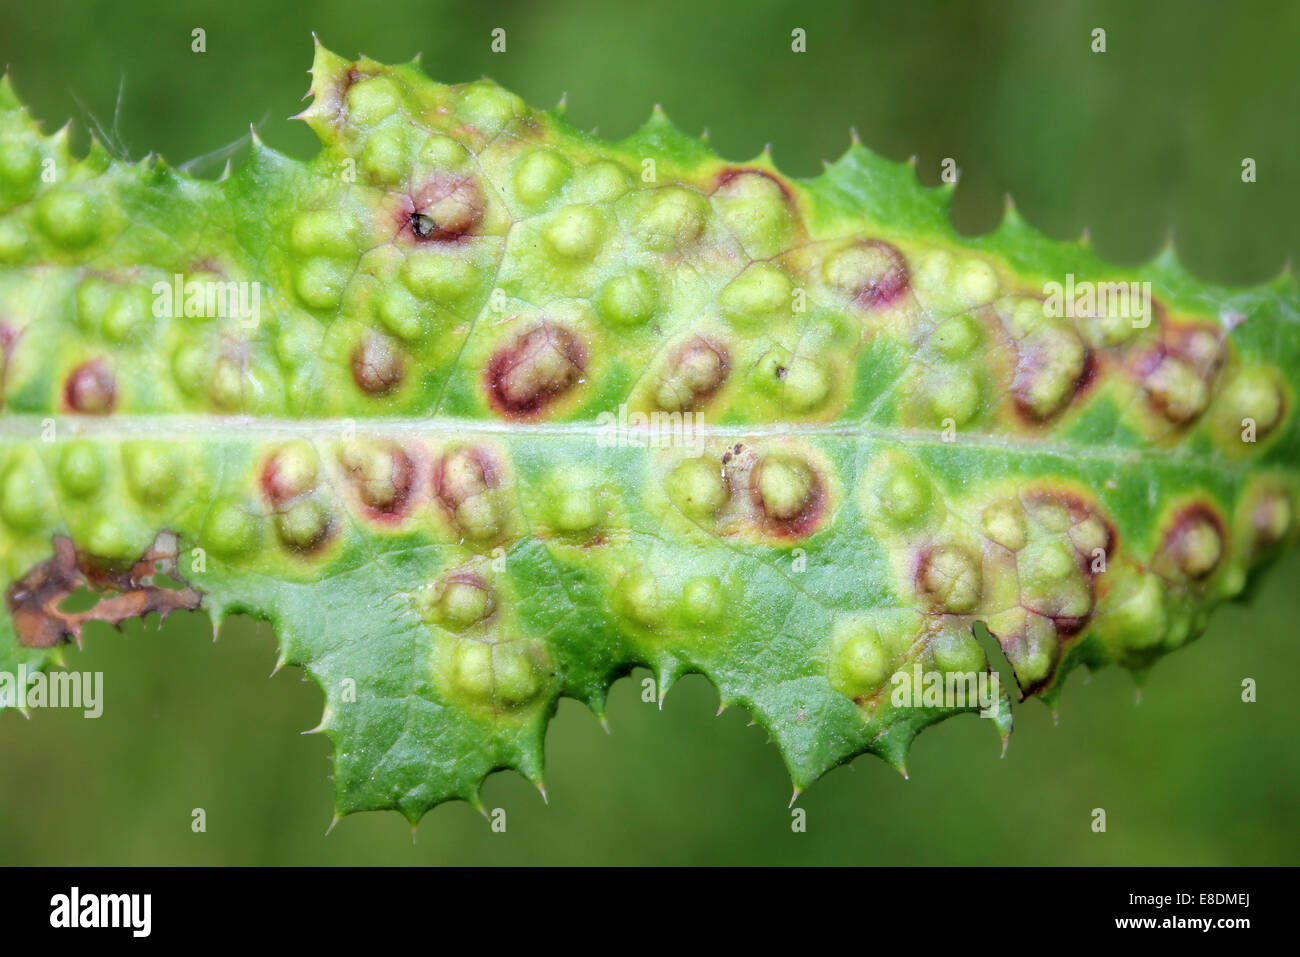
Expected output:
(667, 674)
(894, 746)
(531, 760)
(329, 78)
(61, 138)
(474, 798)
(660, 136)
(9, 101)
(325, 724)
(1011, 212)
(1285, 283)
(1167, 263)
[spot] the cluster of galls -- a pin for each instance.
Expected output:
(554, 265)
(452, 250)
(479, 658)
(778, 491)
(387, 484)
(483, 260)
(744, 316)
(1042, 565)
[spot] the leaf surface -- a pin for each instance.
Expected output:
(479, 411)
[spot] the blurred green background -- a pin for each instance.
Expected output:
(1142, 140)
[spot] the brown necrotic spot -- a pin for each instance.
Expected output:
(377, 366)
(696, 370)
(1194, 541)
(445, 208)
(35, 599)
(532, 371)
(1067, 627)
(91, 388)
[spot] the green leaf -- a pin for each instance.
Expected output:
(480, 411)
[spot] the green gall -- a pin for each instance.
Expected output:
(697, 487)
(671, 218)
(370, 101)
(702, 599)
(69, 217)
(153, 470)
(230, 529)
(540, 175)
(489, 108)
(761, 293)
(320, 282)
(576, 232)
(859, 662)
(629, 299)
(82, 468)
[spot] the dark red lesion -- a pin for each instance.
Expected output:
(1079, 510)
(34, 599)
(386, 495)
(533, 370)
(883, 286)
(445, 208)
(697, 369)
(90, 388)
(1197, 345)
(280, 485)
(727, 179)
(802, 523)
(1030, 363)
(463, 473)
(1178, 543)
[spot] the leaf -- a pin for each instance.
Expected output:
(480, 411)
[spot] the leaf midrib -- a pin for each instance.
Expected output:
(33, 426)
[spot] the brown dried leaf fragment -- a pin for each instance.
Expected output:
(34, 599)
